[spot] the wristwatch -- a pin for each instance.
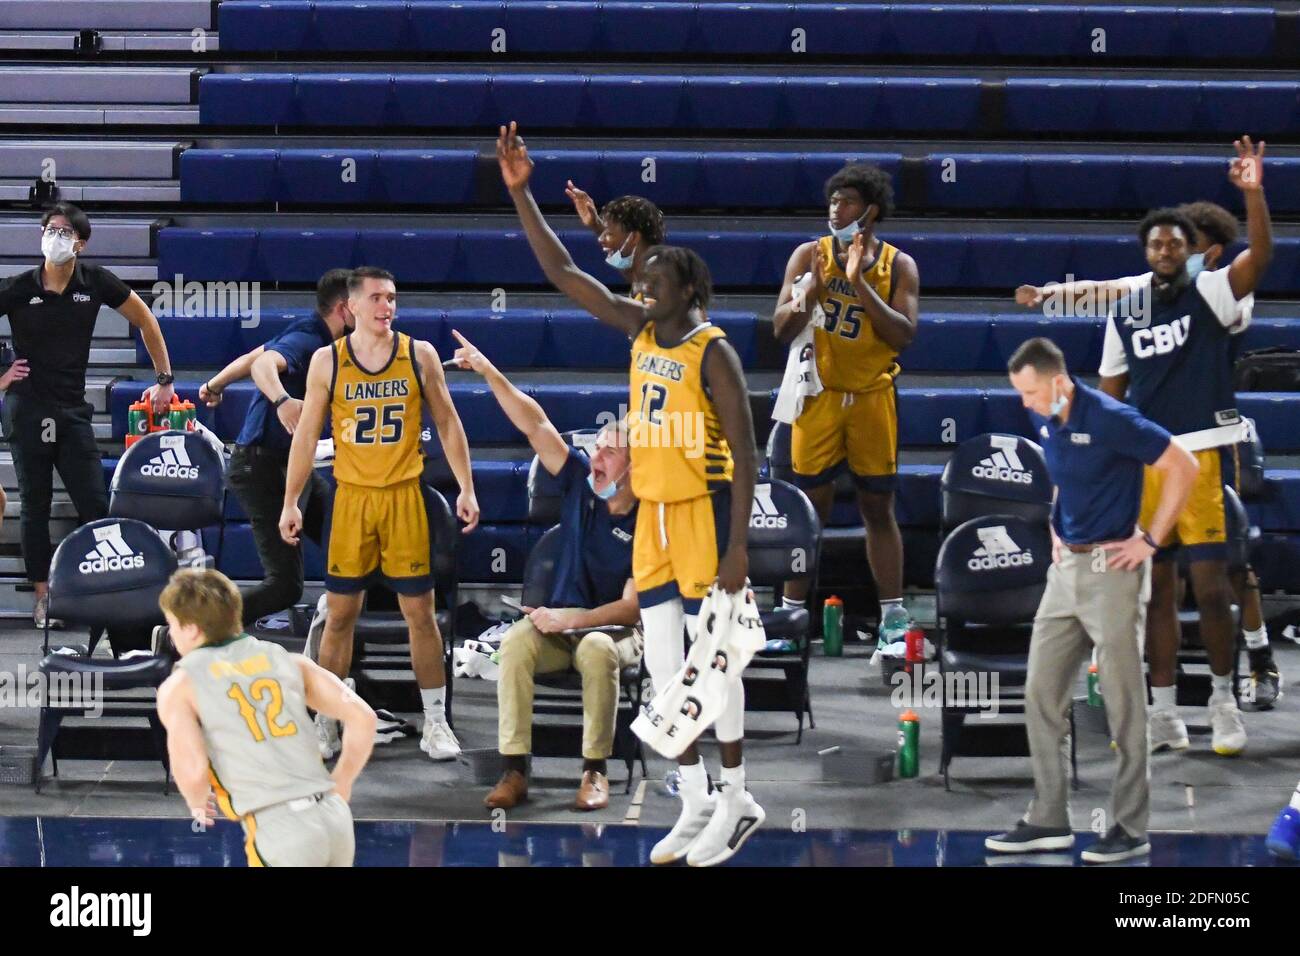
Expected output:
(165, 378)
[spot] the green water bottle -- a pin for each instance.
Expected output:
(833, 627)
(1094, 686)
(909, 744)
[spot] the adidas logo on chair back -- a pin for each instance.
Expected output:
(997, 550)
(1004, 464)
(764, 513)
(111, 553)
(173, 462)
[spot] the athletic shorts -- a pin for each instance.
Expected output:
(1201, 529)
(313, 831)
(378, 535)
(857, 430)
(677, 546)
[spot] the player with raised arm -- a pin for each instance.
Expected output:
(693, 521)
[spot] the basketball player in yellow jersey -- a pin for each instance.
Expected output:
(373, 384)
(693, 521)
(868, 291)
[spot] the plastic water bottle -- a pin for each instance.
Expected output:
(833, 627)
(1094, 686)
(909, 744)
(673, 781)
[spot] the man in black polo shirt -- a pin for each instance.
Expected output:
(261, 456)
(592, 590)
(52, 310)
(1096, 595)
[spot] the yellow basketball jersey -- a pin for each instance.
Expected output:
(678, 451)
(376, 416)
(850, 356)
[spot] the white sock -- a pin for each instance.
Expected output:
(1221, 688)
(1257, 638)
(790, 604)
(1295, 797)
(1164, 698)
(434, 699)
(694, 787)
(733, 779)
(886, 605)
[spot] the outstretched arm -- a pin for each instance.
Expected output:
(726, 382)
(626, 315)
(522, 410)
(451, 432)
(1247, 174)
(239, 369)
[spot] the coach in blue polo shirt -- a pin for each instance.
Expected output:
(261, 456)
(592, 592)
(1096, 595)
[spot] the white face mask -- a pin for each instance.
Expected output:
(56, 249)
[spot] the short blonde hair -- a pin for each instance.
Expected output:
(206, 598)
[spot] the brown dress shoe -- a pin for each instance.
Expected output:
(593, 792)
(510, 791)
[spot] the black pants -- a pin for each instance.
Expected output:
(257, 477)
(42, 437)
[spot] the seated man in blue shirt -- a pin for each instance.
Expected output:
(593, 589)
(257, 466)
(1096, 595)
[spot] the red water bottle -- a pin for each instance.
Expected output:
(915, 645)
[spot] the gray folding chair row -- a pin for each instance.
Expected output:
(89, 160)
(106, 15)
(98, 85)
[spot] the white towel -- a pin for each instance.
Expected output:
(730, 634)
(801, 380)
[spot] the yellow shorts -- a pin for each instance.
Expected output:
(677, 546)
(1202, 527)
(860, 428)
(378, 534)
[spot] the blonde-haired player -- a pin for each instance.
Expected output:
(235, 710)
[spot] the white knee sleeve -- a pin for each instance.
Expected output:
(664, 651)
(730, 725)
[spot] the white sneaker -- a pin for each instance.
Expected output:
(688, 828)
(1168, 732)
(438, 740)
(1229, 733)
(328, 736)
(733, 823)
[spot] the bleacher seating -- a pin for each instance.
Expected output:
(1028, 105)
(721, 179)
(994, 262)
(734, 29)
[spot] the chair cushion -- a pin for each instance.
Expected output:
(116, 674)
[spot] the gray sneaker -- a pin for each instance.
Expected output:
(41, 615)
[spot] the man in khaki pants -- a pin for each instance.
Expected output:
(592, 595)
(1096, 595)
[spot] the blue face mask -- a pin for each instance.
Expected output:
(618, 260)
(1058, 403)
(1195, 264)
(847, 233)
(610, 490)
